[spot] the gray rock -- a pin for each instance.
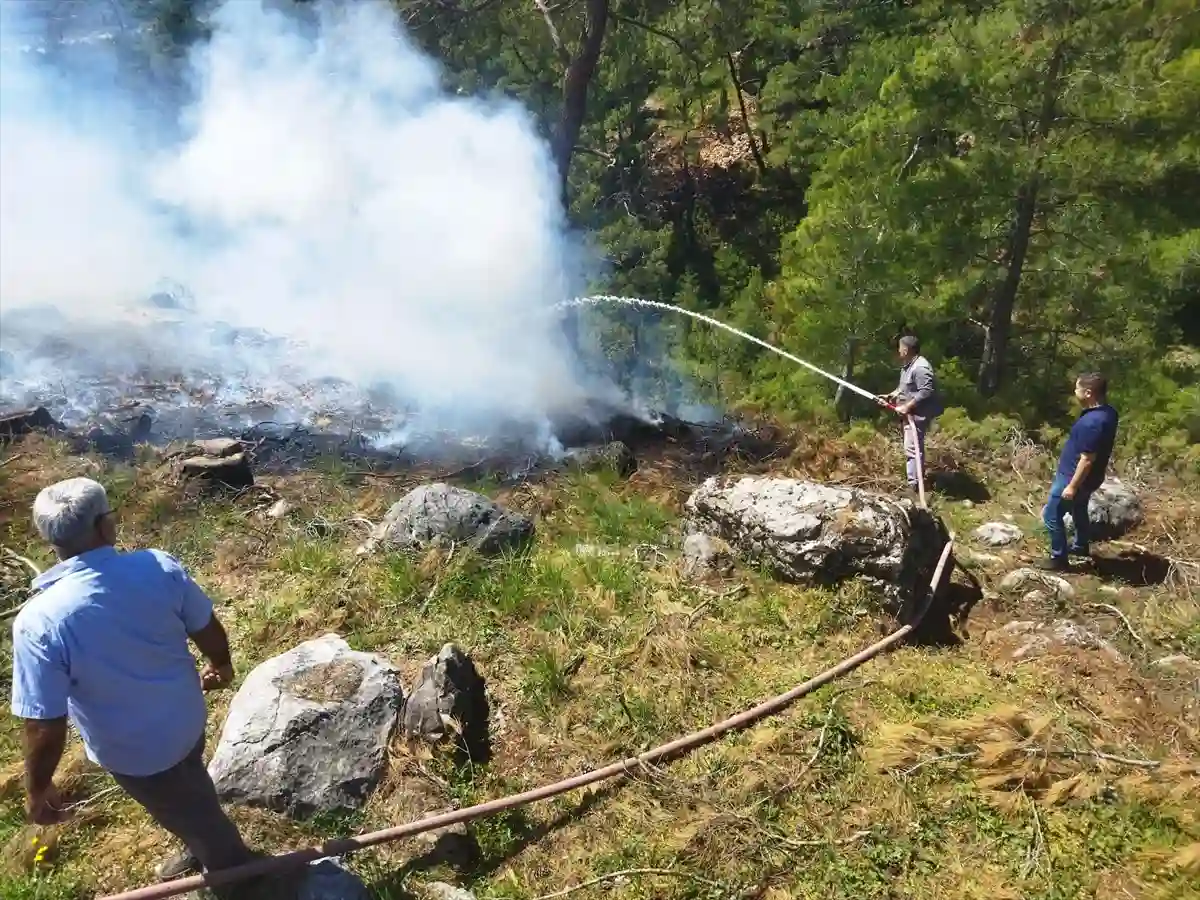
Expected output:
(439, 890)
(595, 550)
(615, 456)
(976, 558)
(229, 471)
(329, 879)
(704, 554)
(1025, 579)
(1039, 638)
(816, 534)
(442, 514)
(308, 731)
(1113, 511)
(449, 697)
(998, 534)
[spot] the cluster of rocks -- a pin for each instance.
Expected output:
(308, 731)
(1114, 510)
(1034, 639)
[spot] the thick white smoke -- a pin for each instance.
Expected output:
(325, 190)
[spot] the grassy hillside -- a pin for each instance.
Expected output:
(938, 771)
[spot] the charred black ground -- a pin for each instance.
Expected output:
(279, 447)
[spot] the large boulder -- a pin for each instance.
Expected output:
(449, 697)
(443, 514)
(1114, 510)
(818, 534)
(308, 731)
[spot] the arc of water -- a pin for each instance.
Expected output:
(599, 299)
(909, 424)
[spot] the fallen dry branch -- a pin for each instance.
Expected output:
(12, 554)
(627, 873)
(1042, 753)
(1108, 607)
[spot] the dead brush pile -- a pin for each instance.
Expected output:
(1014, 756)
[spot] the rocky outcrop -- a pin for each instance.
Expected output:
(817, 534)
(308, 730)
(440, 514)
(449, 698)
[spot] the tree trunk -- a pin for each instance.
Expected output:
(993, 366)
(576, 82)
(999, 323)
(737, 86)
(841, 399)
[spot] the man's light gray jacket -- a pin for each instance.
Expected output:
(917, 382)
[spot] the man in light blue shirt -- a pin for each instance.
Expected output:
(104, 643)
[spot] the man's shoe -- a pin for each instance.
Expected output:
(1053, 564)
(181, 864)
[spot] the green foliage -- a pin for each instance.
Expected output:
(826, 175)
(992, 433)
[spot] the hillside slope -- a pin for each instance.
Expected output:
(936, 771)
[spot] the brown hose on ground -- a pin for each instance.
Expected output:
(341, 846)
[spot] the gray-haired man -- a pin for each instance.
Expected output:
(104, 642)
(915, 396)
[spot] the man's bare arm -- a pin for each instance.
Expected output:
(44, 743)
(1081, 472)
(213, 642)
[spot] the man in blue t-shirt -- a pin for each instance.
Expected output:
(1081, 469)
(104, 643)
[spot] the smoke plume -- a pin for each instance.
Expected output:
(334, 214)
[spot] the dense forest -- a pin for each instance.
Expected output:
(1015, 181)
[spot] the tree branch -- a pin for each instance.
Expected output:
(563, 56)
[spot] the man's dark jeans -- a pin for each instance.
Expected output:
(183, 800)
(1052, 516)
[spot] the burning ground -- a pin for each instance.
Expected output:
(964, 769)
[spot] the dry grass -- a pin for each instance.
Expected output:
(951, 772)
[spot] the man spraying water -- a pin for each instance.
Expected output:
(917, 397)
